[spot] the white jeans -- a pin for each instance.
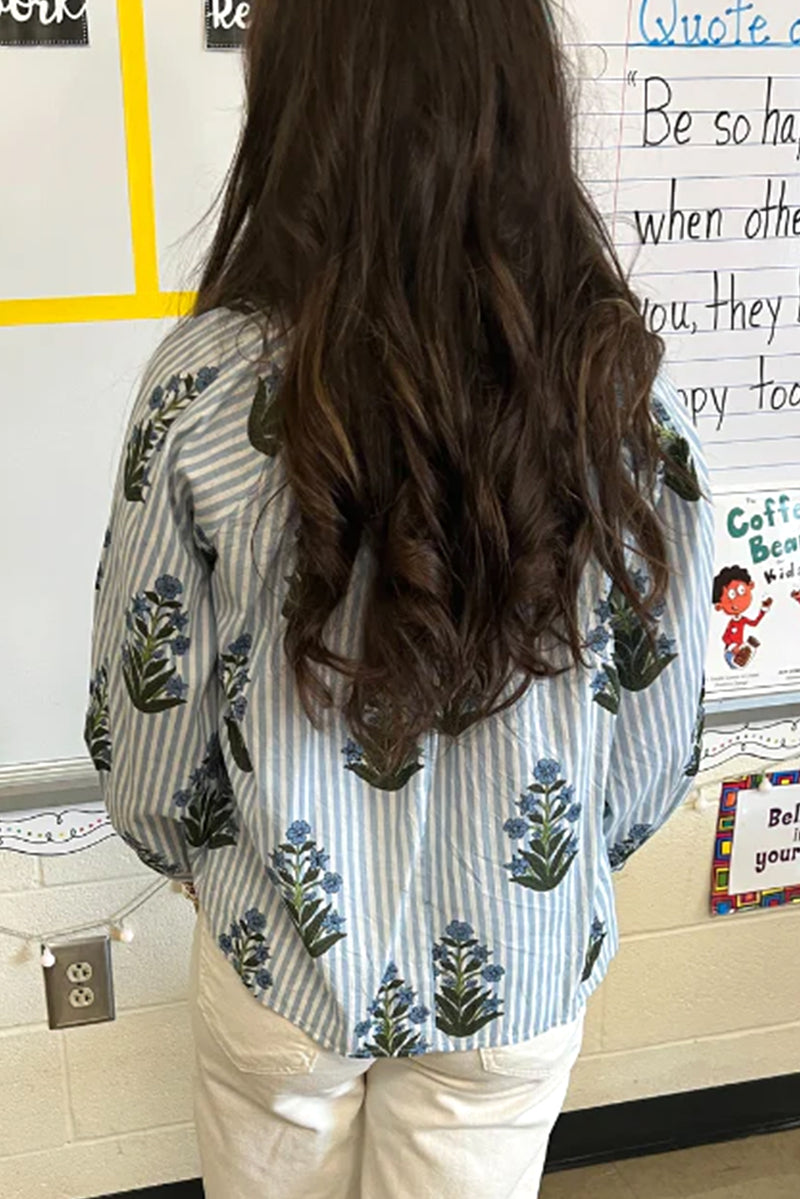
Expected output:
(278, 1117)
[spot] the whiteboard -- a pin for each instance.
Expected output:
(676, 142)
(122, 150)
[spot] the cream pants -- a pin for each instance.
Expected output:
(278, 1117)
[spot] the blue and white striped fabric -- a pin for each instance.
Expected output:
(465, 902)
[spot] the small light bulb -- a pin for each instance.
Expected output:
(126, 935)
(48, 957)
(765, 784)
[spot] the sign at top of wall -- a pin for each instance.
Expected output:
(44, 23)
(226, 22)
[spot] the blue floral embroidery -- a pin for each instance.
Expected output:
(234, 677)
(165, 405)
(101, 565)
(463, 1005)
(153, 682)
(597, 936)
(96, 732)
(152, 858)
(245, 946)
(356, 760)
(692, 767)
(395, 1019)
(264, 423)
(619, 853)
(299, 870)
(207, 805)
(628, 658)
(548, 814)
(679, 470)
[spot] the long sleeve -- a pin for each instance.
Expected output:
(658, 694)
(152, 719)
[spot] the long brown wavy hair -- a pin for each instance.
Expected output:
(468, 371)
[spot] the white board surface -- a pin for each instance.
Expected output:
(713, 252)
(64, 224)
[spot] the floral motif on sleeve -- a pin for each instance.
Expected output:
(101, 565)
(463, 1003)
(392, 1028)
(299, 869)
(234, 678)
(597, 936)
(357, 760)
(96, 733)
(548, 814)
(245, 946)
(156, 640)
(629, 658)
(618, 854)
(207, 805)
(152, 858)
(693, 765)
(166, 404)
(680, 473)
(264, 424)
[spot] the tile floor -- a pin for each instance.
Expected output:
(758, 1168)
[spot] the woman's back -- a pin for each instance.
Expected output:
(474, 879)
(402, 613)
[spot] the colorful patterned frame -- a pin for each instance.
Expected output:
(722, 902)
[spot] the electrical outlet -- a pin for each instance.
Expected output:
(79, 986)
(79, 972)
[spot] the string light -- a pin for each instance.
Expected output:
(114, 925)
(764, 783)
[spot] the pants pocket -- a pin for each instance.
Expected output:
(255, 1039)
(544, 1057)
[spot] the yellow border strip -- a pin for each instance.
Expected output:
(148, 302)
(88, 309)
(133, 60)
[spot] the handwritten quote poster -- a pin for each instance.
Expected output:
(226, 22)
(43, 23)
(754, 645)
(690, 143)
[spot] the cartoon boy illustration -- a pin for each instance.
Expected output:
(733, 595)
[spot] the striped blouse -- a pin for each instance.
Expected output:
(466, 900)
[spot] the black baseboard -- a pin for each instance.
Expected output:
(603, 1134)
(679, 1121)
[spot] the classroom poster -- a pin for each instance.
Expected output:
(44, 23)
(754, 642)
(226, 22)
(757, 844)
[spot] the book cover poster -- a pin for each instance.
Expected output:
(754, 642)
(44, 23)
(226, 23)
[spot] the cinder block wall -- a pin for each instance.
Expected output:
(690, 1002)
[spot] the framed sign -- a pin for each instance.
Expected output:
(757, 846)
(45, 23)
(226, 22)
